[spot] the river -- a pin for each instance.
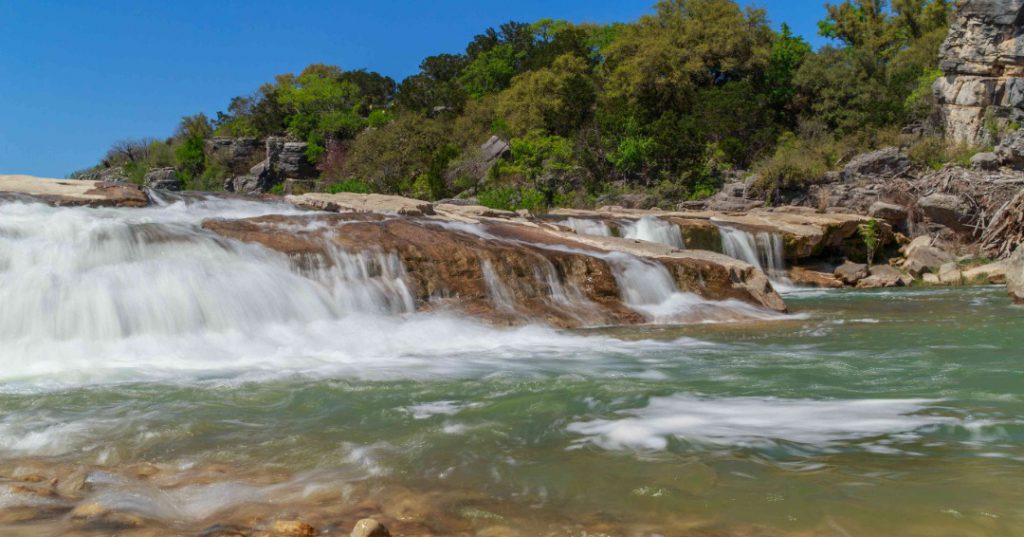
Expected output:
(131, 340)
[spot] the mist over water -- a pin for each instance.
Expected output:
(134, 335)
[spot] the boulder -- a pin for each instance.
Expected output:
(163, 179)
(493, 149)
(922, 257)
(851, 273)
(895, 215)
(1015, 275)
(344, 202)
(986, 161)
(882, 276)
(991, 273)
(284, 160)
(884, 163)
(1010, 152)
(931, 279)
(292, 528)
(945, 209)
(813, 278)
(950, 274)
(235, 154)
(369, 527)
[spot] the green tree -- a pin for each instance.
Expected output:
(557, 99)
(491, 71)
(787, 54)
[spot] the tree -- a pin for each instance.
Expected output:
(557, 99)
(491, 71)
(787, 54)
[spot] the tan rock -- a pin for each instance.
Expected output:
(931, 279)
(292, 528)
(851, 273)
(950, 274)
(922, 256)
(991, 273)
(802, 276)
(1015, 275)
(369, 527)
(362, 203)
(881, 276)
(75, 192)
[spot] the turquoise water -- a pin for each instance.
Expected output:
(868, 413)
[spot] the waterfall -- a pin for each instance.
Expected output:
(500, 296)
(75, 273)
(653, 229)
(762, 249)
(587, 226)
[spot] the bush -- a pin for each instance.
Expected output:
(348, 185)
(511, 199)
(934, 152)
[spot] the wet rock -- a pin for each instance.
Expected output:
(884, 163)
(895, 215)
(922, 257)
(362, 203)
(950, 274)
(369, 527)
(813, 278)
(1015, 275)
(851, 273)
(881, 276)
(163, 179)
(292, 528)
(75, 192)
(100, 517)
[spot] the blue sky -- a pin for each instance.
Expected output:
(77, 75)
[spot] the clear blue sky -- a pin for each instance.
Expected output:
(76, 75)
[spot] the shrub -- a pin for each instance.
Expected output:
(348, 185)
(509, 198)
(869, 233)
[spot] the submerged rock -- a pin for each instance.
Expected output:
(369, 527)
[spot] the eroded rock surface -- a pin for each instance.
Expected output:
(74, 192)
(982, 60)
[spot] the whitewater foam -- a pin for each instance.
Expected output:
(758, 422)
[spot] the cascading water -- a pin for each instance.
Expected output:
(653, 229)
(762, 249)
(586, 226)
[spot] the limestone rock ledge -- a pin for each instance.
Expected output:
(982, 61)
(71, 192)
(539, 272)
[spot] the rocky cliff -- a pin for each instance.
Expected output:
(982, 60)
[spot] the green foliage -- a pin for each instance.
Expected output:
(277, 190)
(935, 152)
(491, 71)
(796, 163)
(869, 233)
(349, 185)
(558, 99)
(512, 199)
(787, 54)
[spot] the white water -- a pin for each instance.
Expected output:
(764, 250)
(755, 421)
(652, 229)
(586, 226)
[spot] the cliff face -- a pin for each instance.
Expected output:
(983, 64)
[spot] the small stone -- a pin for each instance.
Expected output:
(293, 528)
(369, 527)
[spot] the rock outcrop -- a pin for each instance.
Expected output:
(72, 192)
(1015, 275)
(163, 179)
(238, 155)
(504, 270)
(982, 61)
(284, 160)
(887, 162)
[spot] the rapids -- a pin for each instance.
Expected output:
(199, 381)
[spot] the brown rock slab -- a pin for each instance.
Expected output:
(813, 278)
(362, 203)
(71, 192)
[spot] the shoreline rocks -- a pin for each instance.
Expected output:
(1015, 276)
(72, 192)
